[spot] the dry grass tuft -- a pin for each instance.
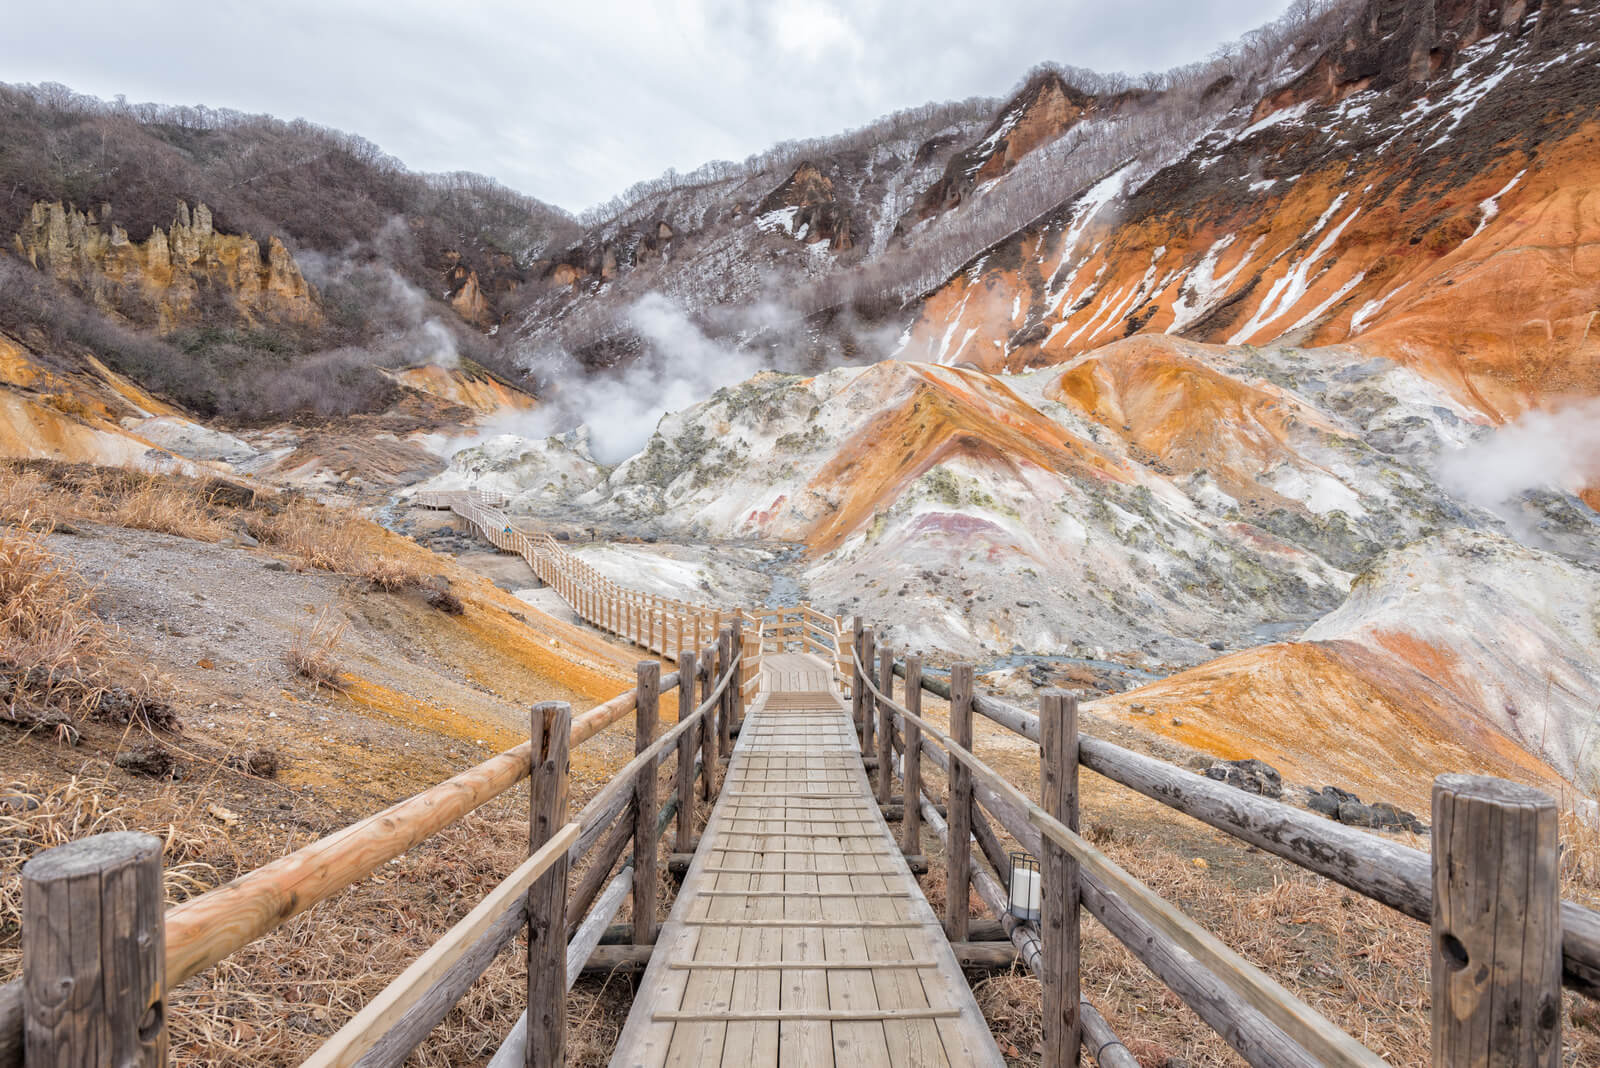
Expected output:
(317, 535)
(54, 649)
(1580, 860)
(311, 654)
(391, 575)
(50, 639)
(1013, 1004)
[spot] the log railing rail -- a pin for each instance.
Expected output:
(1264, 1025)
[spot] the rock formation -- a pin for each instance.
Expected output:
(174, 274)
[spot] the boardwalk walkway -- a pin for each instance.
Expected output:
(799, 936)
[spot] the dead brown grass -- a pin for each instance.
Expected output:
(43, 496)
(197, 854)
(311, 654)
(51, 642)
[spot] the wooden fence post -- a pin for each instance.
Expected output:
(725, 705)
(1058, 879)
(885, 725)
(958, 849)
(708, 726)
(547, 897)
(644, 810)
(688, 746)
(869, 706)
(736, 685)
(911, 774)
(94, 953)
(1496, 924)
(857, 690)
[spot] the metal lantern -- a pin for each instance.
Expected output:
(1025, 887)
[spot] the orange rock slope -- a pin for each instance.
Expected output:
(1457, 231)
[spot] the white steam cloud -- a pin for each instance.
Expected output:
(1557, 449)
(412, 336)
(679, 367)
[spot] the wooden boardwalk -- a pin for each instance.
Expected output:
(799, 936)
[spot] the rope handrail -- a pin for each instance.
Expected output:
(1315, 1032)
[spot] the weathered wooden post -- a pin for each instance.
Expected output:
(708, 726)
(869, 705)
(1058, 879)
(856, 688)
(958, 849)
(644, 810)
(736, 684)
(885, 725)
(1496, 924)
(725, 704)
(911, 774)
(688, 746)
(94, 953)
(547, 897)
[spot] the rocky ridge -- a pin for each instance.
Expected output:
(177, 276)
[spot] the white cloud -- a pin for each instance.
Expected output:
(574, 102)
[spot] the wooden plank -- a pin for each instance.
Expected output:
(756, 1042)
(911, 773)
(686, 755)
(885, 749)
(645, 875)
(547, 896)
(804, 1016)
(831, 964)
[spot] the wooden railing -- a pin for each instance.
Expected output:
(1501, 936)
(803, 629)
(659, 624)
(99, 954)
(662, 625)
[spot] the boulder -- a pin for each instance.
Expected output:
(1251, 775)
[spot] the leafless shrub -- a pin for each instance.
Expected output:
(310, 655)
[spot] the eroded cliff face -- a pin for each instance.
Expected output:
(807, 208)
(1042, 111)
(174, 277)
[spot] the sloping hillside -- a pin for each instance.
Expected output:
(1438, 213)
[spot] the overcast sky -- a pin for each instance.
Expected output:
(574, 101)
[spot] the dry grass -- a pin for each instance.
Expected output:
(51, 641)
(197, 854)
(55, 653)
(45, 496)
(317, 536)
(311, 654)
